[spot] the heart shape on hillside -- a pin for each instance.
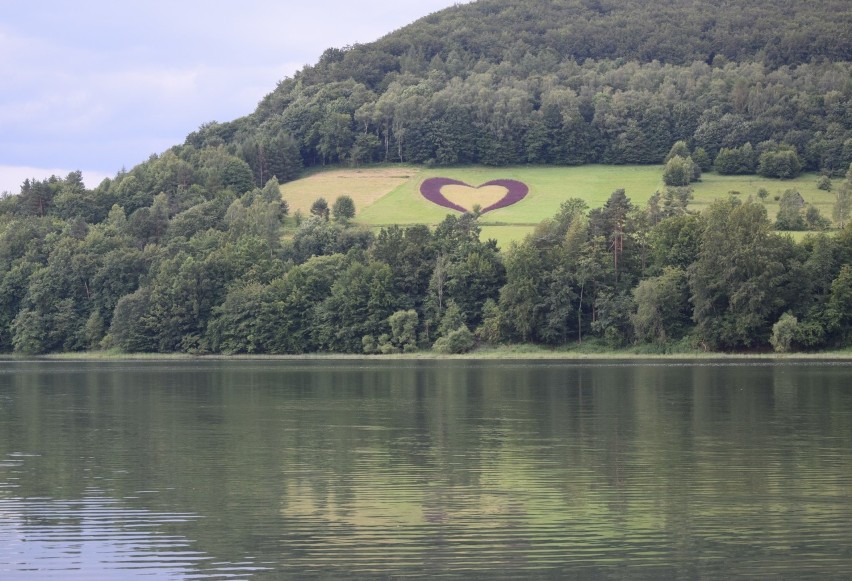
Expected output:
(451, 193)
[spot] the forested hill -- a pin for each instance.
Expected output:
(679, 32)
(504, 82)
(194, 250)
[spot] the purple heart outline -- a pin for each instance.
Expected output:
(515, 192)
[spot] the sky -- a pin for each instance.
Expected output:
(99, 86)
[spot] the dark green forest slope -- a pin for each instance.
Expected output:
(505, 81)
(192, 249)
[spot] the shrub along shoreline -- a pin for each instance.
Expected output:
(516, 352)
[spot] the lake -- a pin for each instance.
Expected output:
(271, 469)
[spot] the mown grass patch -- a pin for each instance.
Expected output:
(364, 185)
(505, 234)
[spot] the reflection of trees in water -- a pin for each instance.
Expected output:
(298, 461)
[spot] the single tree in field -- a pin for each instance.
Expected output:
(790, 211)
(343, 209)
(678, 171)
(320, 208)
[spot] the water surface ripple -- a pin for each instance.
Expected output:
(342, 469)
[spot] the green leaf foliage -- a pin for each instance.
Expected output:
(192, 250)
(742, 278)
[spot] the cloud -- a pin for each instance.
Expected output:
(104, 85)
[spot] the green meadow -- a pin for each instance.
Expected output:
(391, 195)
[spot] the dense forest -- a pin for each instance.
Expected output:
(218, 275)
(193, 250)
(501, 82)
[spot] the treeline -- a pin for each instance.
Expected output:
(502, 82)
(207, 271)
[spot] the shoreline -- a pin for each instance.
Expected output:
(515, 352)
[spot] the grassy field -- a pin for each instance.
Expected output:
(364, 186)
(713, 186)
(391, 194)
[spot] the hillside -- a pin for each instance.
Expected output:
(503, 82)
(675, 32)
(195, 250)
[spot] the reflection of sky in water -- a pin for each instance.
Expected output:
(97, 537)
(365, 469)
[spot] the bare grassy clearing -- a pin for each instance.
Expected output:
(364, 186)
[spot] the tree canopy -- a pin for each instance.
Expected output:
(192, 251)
(503, 82)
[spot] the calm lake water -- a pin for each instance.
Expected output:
(372, 469)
